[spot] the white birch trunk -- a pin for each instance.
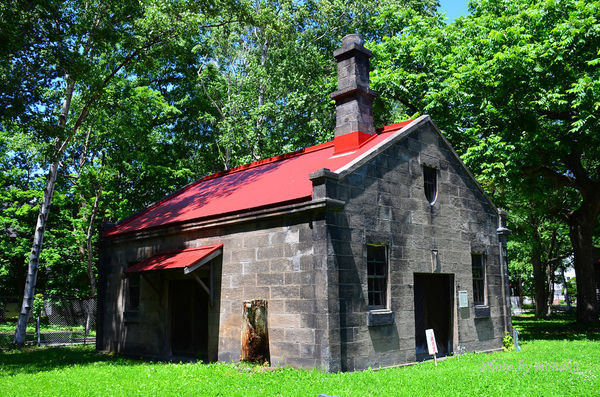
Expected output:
(40, 227)
(90, 232)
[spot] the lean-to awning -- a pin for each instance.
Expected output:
(188, 259)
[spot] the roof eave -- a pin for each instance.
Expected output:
(266, 213)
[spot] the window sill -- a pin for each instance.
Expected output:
(131, 316)
(482, 311)
(380, 317)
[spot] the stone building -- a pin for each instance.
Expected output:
(358, 246)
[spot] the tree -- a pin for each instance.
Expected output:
(267, 82)
(516, 87)
(542, 242)
(73, 52)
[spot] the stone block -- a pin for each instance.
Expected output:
(251, 293)
(300, 306)
(269, 279)
(256, 240)
(285, 321)
(280, 265)
(243, 255)
(300, 335)
(270, 252)
(256, 267)
(285, 292)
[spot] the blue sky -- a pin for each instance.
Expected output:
(454, 8)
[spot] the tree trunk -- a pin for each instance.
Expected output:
(40, 227)
(550, 288)
(90, 231)
(564, 282)
(34, 257)
(581, 225)
(261, 101)
(541, 287)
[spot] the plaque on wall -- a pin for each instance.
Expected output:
(463, 300)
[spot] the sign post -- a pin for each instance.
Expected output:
(431, 345)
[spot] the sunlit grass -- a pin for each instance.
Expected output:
(555, 363)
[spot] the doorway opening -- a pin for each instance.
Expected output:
(433, 310)
(189, 319)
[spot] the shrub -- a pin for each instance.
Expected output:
(508, 343)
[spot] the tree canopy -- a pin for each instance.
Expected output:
(516, 87)
(106, 107)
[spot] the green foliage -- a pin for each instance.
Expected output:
(516, 88)
(572, 287)
(508, 343)
(164, 93)
(118, 128)
(38, 305)
(512, 85)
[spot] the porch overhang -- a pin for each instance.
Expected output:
(188, 259)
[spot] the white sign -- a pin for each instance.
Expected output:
(431, 345)
(463, 299)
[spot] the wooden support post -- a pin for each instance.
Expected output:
(211, 283)
(255, 332)
(204, 287)
(37, 328)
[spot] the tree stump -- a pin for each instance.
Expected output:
(255, 332)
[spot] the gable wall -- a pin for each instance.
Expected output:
(386, 204)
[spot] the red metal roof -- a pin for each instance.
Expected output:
(266, 183)
(174, 259)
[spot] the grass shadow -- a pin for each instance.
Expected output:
(560, 326)
(33, 360)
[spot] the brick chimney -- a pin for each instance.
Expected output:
(354, 98)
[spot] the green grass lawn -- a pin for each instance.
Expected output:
(7, 332)
(557, 358)
(9, 327)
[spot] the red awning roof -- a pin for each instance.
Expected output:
(272, 182)
(185, 258)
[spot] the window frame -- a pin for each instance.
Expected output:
(134, 283)
(430, 173)
(479, 284)
(382, 272)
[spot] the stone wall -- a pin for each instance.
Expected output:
(386, 204)
(273, 260)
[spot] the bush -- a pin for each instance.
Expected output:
(38, 305)
(508, 343)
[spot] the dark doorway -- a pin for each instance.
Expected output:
(189, 319)
(433, 309)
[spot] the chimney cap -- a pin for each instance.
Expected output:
(350, 43)
(349, 39)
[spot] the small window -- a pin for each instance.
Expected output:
(133, 292)
(430, 183)
(377, 276)
(478, 279)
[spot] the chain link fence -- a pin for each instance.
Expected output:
(61, 322)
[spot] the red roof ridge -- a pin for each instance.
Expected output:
(393, 127)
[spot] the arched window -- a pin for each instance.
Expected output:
(430, 183)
